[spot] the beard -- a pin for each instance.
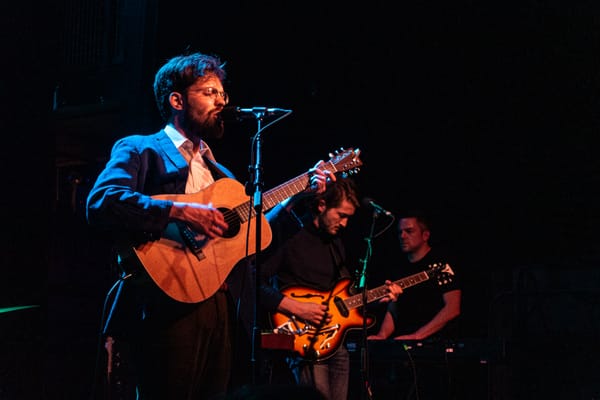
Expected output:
(328, 229)
(208, 128)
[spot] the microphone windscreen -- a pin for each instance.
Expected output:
(231, 113)
(366, 201)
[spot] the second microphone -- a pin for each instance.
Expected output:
(367, 201)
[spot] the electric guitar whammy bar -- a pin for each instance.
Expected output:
(319, 343)
(190, 267)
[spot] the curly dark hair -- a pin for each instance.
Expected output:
(179, 73)
(343, 188)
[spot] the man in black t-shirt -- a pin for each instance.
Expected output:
(428, 310)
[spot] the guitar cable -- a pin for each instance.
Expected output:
(413, 368)
(103, 320)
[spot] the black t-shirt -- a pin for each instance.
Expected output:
(423, 299)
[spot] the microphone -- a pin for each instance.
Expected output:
(232, 113)
(367, 201)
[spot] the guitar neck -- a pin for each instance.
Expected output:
(276, 195)
(381, 291)
(347, 161)
(294, 186)
(272, 197)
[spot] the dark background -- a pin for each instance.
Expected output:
(483, 113)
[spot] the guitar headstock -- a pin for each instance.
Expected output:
(441, 272)
(345, 160)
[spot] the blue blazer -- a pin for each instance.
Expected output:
(120, 205)
(140, 166)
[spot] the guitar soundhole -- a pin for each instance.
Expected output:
(234, 223)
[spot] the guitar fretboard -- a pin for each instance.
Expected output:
(381, 291)
(279, 193)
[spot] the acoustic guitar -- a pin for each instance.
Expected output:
(188, 266)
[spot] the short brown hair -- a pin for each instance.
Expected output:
(179, 73)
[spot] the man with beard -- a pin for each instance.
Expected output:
(169, 345)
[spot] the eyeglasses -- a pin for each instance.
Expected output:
(212, 92)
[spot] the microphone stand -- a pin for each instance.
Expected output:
(256, 190)
(362, 286)
(256, 171)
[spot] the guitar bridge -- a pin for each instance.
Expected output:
(311, 330)
(189, 237)
(290, 327)
(328, 333)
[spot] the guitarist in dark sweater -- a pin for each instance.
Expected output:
(308, 252)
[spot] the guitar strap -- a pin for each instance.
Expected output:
(218, 170)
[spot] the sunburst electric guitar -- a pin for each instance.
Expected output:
(320, 342)
(188, 266)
